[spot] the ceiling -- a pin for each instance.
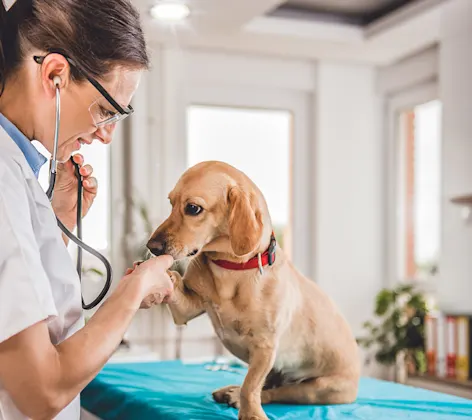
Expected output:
(357, 12)
(377, 32)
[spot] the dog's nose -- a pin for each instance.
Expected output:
(157, 245)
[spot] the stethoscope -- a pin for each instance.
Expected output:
(76, 239)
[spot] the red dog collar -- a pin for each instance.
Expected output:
(267, 258)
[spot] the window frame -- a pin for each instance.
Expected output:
(287, 233)
(299, 105)
(395, 105)
(216, 79)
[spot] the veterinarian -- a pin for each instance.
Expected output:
(93, 53)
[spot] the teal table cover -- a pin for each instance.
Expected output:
(178, 391)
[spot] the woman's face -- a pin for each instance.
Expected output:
(82, 105)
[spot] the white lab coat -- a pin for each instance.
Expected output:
(38, 280)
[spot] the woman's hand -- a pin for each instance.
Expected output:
(155, 283)
(64, 201)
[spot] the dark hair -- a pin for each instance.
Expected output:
(97, 34)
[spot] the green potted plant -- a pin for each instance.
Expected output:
(396, 335)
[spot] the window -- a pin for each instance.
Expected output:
(255, 141)
(96, 224)
(420, 191)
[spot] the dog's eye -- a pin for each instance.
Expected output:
(192, 210)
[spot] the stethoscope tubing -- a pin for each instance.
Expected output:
(76, 239)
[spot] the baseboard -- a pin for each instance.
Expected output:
(445, 386)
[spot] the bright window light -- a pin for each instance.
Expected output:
(255, 141)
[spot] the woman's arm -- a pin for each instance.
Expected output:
(43, 379)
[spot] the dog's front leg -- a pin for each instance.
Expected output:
(260, 363)
(185, 304)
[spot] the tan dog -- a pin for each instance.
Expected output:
(299, 348)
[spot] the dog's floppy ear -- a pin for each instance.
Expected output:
(245, 222)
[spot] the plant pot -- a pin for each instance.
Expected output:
(401, 371)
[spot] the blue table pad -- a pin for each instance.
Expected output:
(174, 390)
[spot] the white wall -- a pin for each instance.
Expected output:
(349, 206)
(342, 208)
(409, 73)
(444, 71)
(352, 210)
(455, 286)
(182, 77)
(219, 79)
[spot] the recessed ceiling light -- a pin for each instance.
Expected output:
(170, 12)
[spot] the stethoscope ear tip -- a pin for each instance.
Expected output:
(57, 81)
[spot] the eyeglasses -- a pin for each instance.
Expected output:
(101, 116)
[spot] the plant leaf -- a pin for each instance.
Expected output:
(383, 301)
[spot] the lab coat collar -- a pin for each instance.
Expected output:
(35, 159)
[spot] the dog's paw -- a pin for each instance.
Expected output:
(171, 276)
(228, 395)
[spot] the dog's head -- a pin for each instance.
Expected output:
(215, 208)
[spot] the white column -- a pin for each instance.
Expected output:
(349, 200)
(455, 285)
